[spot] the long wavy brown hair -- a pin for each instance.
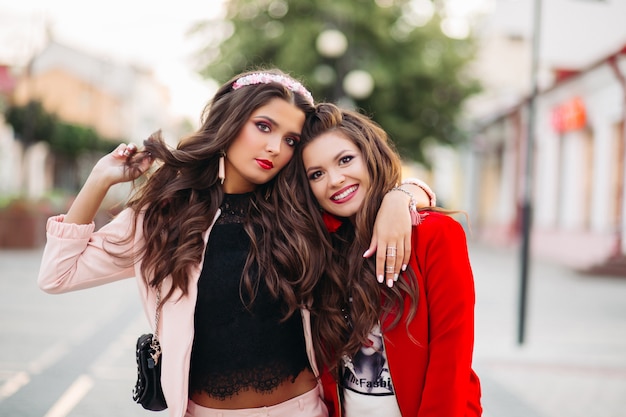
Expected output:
(341, 326)
(181, 197)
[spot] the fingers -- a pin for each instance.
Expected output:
(129, 163)
(127, 150)
(389, 262)
(381, 260)
(396, 260)
(390, 265)
(381, 257)
(124, 150)
(372, 249)
(393, 227)
(393, 262)
(130, 152)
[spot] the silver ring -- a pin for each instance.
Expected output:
(391, 251)
(390, 269)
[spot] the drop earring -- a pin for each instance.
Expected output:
(221, 171)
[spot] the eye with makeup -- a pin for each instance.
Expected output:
(292, 141)
(345, 159)
(266, 127)
(263, 127)
(314, 175)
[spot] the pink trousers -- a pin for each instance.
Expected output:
(309, 404)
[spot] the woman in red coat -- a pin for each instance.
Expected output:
(400, 350)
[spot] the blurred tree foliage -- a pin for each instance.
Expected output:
(420, 77)
(32, 123)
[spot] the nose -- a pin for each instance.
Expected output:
(336, 178)
(273, 144)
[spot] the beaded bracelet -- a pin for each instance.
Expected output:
(421, 184)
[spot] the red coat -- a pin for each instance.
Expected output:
(433, 378)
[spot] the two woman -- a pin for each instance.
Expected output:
(394, 351)
(218, 239)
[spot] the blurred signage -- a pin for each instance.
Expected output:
(570, 115)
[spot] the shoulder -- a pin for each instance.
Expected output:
(440, 252)
(438, 232)
(436, 223)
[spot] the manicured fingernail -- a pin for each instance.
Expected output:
(390, 283)
(380, 279)
(395, 277)
(364, 254)
(404, 267)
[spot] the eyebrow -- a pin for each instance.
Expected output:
(337, 156)
(275, 123)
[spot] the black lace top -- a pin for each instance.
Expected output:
(238, 348)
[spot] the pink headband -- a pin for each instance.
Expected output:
(266, 78)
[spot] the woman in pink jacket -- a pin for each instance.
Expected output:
(404, 350)
(217, 238)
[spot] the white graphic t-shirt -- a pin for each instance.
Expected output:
(368, 389)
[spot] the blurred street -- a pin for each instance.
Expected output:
(73, 355)
(573, 361)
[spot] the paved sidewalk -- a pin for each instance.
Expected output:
(573, 360)
(573, 363)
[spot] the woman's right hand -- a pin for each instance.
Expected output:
(124, 164)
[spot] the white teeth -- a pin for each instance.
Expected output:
(345, 193)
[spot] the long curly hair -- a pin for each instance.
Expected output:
(180, 198)
(341, 326)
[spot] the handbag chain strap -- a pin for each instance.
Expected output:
(155, 345)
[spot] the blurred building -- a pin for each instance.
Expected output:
(7, 84)
(579, 211)
(578, 175)
(120, 102)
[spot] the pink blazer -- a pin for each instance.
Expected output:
(74, 259)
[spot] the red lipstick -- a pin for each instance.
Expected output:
(344, 194)
(265, 164)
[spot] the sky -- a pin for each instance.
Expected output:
(151, 34)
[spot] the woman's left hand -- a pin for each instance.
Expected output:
(392, 238)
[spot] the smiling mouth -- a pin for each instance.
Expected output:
(345, 193)
(265, 164)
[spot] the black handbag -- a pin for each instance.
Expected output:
(148, 391)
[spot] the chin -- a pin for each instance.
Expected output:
(345, 214)
(346, 210)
